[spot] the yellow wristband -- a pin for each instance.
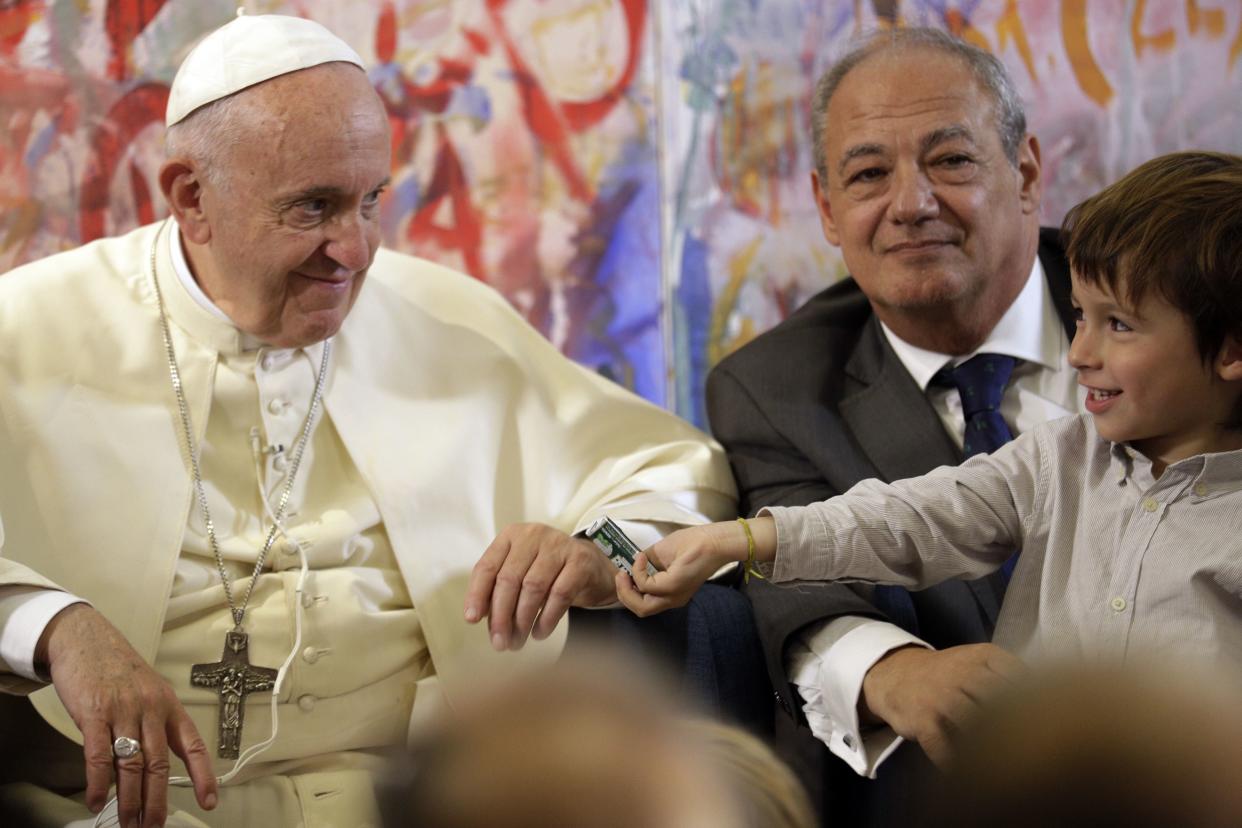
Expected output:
(750, 554)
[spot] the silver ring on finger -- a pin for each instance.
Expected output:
(125, 747)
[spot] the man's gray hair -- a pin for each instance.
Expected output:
(206, 136)
(988, 71)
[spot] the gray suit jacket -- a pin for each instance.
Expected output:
(817, 404)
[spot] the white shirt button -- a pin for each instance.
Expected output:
(280, 462)
(310, 655)
(289, 547)
(1201, 489)
(1118, 604)
(276, 406)
(268, 362)
(306, 703)
(1150, 504)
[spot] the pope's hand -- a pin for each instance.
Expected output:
(111, 692)
(529, 577)
(687, 558)
(929, 695)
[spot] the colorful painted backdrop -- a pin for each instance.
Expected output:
(631, 175)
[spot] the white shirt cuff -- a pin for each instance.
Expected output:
(827, 663)
(25, 613)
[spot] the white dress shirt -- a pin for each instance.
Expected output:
(828, 661)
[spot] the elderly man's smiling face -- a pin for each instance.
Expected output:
(934, 221)
(281, 239)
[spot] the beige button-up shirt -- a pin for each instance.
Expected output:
(1115, 563)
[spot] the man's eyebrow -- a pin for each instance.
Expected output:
(944, 134)
(326, 192)
(857, 151)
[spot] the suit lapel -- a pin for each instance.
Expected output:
(881, 402)
(1057, 272)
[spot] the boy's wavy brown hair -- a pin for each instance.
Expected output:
(1172, 227)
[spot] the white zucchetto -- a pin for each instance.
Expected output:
(250, 50)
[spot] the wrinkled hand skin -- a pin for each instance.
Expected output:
(110, 691)
(929, 695)
(529, 577)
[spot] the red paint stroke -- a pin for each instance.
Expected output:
(142, 194)
(386, 34)
(134, 112)
(15, 18)
(124, 20)
(478, 41)
(552, 122)
(448, 183)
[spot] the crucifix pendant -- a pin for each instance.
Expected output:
(233, 677)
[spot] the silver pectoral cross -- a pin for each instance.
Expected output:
(234, 677)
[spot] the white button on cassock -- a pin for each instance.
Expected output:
(276, 406)
(310, 655)
(306, 703)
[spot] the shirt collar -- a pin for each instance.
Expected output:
(1212, 472)
(191, 308)
(1029, 330)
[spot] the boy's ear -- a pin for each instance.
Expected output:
(1229, 361)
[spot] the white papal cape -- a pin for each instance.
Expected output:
(459, 416)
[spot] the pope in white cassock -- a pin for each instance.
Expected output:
(193, 414)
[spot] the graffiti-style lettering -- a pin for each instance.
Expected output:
(1078, 49)
(1162, 41)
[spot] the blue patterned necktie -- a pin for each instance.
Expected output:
(980, 382)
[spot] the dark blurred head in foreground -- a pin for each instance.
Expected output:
(1100, 748)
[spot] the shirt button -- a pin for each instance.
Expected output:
(848, 740)
(310, 655)
(1200, 489)
(279, 462)
(1150, 504)
(268, 362)
(306, 703)
(276, 406)
(289, 547)
(1118, 604)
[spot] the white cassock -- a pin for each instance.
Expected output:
(446, 418)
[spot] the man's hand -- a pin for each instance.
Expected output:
(110, 691)
(529, 577)
(927, 695)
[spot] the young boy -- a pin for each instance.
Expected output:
(1127, 519)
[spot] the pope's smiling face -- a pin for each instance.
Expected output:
(281, 241)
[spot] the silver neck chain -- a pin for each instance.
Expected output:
(238, 612)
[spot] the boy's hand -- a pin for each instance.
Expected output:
(928, 695)
(688, 557)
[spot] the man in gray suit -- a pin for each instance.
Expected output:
(926, 178)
